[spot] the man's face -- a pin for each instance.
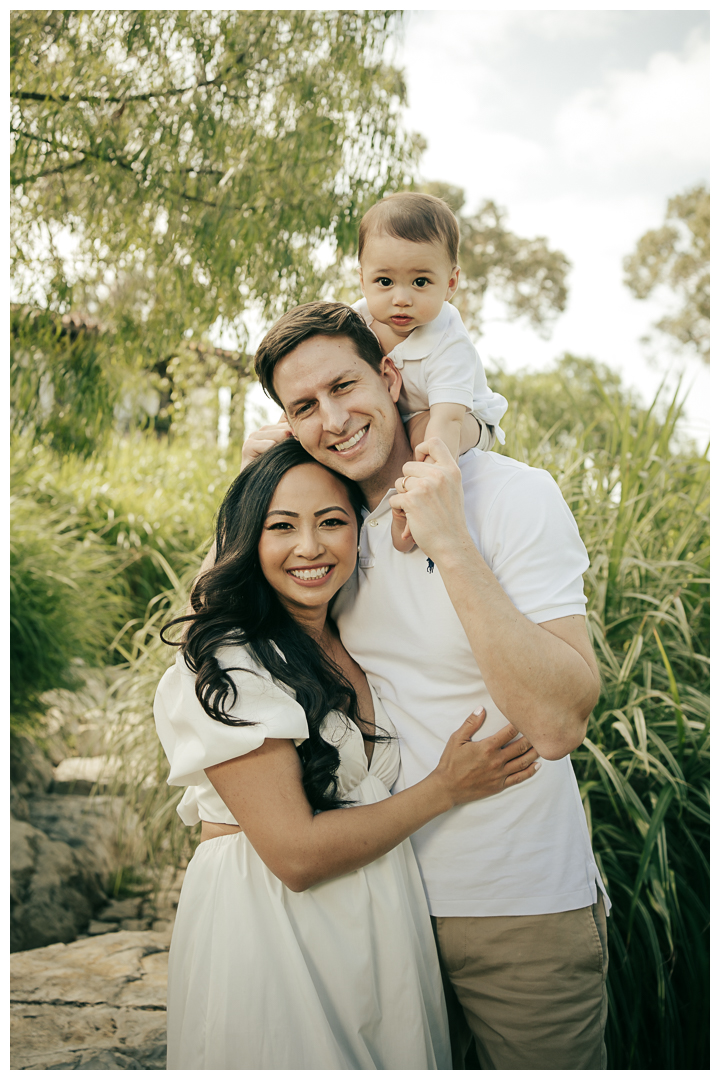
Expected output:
(341, 410)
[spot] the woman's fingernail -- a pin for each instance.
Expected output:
(537, 765)
(478, 712)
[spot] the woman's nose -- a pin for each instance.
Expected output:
(307, 543)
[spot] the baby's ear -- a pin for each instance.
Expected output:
(453, 283)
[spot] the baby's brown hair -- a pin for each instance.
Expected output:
(411, 215)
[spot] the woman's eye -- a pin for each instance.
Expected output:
(280, 526)
(333, 522)
(421, 282)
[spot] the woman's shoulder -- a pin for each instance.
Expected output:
(194, 740)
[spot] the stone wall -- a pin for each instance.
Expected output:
(99, 1003)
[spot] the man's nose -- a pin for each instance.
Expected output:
(334, 416)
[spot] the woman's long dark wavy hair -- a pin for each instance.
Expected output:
(233, 604)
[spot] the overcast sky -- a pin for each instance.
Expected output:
(582, 125)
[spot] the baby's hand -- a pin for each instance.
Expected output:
(400, 532)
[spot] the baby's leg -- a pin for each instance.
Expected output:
(471, 431)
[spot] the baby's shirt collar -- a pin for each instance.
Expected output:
(421, 342)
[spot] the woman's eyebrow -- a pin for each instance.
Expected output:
(319, 513)
(285, 513)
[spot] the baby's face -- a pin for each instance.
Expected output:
(406, 283)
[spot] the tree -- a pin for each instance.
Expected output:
(677, 256)
(525, 274)
(194, 162)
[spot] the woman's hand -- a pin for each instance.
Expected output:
(264, 439)
(473, 770)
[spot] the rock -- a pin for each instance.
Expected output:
(95, 1004)
(61, 863)
(162, 926)
(48, 889)
(18, 804)
(97, 927)
(30, 770)
(122, 909)
(135, 924)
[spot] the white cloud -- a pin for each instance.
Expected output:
(641, 116)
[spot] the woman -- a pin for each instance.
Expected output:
(302, 939)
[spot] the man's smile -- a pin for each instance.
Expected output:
(352, 441)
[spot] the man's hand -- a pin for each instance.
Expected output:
(264, 439)
(430, 493)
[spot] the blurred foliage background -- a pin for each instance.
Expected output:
(176, 172)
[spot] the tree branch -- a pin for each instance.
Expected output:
(101, 99)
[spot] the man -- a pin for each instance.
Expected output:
(487, 610)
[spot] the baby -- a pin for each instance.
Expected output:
(408, 253)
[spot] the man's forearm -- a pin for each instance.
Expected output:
(544, 685)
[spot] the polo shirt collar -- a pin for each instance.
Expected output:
(421, 342)
(382, 507)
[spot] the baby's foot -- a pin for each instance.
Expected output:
(399, 525)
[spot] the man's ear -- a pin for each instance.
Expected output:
(453, 283)
(392, 377)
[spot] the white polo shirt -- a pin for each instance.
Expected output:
(439, 362)
(526, 850)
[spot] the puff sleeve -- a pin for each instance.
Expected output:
(193, 741)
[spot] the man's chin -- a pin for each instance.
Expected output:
(354, 468)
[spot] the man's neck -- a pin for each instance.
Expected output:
(376, 487)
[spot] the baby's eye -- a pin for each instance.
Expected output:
(384, 281)
(421, 282)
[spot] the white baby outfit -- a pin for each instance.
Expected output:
(439, 362)
(341, 976)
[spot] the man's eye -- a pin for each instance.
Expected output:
(345, 385)
(421, 282)
(302, 409)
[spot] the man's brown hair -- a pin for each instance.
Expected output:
(411, 215)
(320, 319)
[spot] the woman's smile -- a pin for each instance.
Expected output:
(315, 575)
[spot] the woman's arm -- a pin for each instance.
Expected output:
(264, 792)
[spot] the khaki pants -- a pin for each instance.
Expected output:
(530, 989)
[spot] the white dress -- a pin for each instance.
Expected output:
(342, 976)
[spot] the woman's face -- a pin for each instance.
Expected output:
(308, 544)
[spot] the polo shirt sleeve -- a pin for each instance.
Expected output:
(532, 544)
(449, 371)
(454, 373)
